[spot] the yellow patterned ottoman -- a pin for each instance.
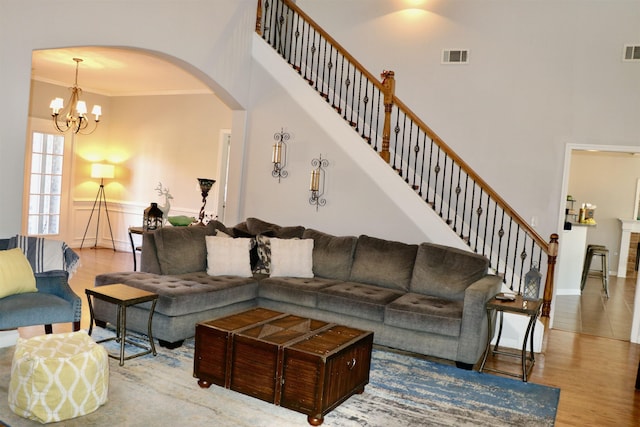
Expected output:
(59, 376)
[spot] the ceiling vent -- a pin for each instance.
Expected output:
(455, 56)
(631, 53)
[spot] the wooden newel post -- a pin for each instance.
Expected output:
(389, 83)
(551, 268)
(259, 18)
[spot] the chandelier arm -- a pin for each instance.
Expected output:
(79, 122)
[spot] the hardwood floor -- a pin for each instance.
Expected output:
(596, 375)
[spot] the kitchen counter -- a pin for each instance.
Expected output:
(571, 251)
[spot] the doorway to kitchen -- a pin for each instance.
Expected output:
(604, 176)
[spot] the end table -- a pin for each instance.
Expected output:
(517, 306)
(123, 296)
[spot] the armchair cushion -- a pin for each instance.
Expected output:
(16, 274)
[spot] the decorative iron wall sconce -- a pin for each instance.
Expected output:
(279, 155)
(317, 182)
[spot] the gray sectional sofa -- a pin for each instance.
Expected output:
(425, 298)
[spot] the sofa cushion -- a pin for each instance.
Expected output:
(257, 226)
(291, 257)
(332, 255)
(214, 226)
(383, 262)
(228, 257)
(357, 299)
(181, 249)
(188, 293)
(293, 290)
(16, 274)
(446, 272)
(425, 313)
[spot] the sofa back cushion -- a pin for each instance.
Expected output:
(181, 249)
(446, 272)
(383, 262)
(257, 226)
(149, 257)
(332, 255)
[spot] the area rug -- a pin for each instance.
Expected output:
(403, 391)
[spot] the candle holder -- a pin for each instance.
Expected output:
(279, 155)
(205, 186)
(316, 185)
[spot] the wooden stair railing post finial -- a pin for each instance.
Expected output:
(389, 83)
(551, 267)
(259, 18)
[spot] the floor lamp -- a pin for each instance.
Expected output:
(102, 171)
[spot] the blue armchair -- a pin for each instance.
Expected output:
(55, 302)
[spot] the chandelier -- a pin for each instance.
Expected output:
(74, 116)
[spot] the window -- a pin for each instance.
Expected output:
(45, 183)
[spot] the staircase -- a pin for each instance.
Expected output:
(429, 167)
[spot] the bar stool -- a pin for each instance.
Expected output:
(603, 253)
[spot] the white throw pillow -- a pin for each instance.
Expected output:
(291, 257)
(228, 257)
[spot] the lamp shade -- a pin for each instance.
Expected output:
(102, 170)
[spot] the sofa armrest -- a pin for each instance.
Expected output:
(56, 283)
(474, 328)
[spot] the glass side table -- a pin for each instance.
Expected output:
(518, 306)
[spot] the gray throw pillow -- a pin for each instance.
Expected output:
(332, 255)
(446, 272)
(383, 262)
(181, 249)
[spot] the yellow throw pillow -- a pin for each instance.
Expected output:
(16, 275)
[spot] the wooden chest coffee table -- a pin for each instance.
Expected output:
(306, 365)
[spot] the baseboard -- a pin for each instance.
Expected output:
(8, 338)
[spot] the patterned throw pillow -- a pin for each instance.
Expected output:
(263, 247)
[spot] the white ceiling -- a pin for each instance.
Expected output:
(114, 72)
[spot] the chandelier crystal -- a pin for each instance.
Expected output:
(74, 116)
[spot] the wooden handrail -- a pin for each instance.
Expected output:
(499, 200)
(386, 87)
(334, 43)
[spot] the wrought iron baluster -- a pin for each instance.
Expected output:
(424, 150)
(493, 233)
(396, 131)
(429, 172)
(458, 190)
(451, 191)
(356, 124)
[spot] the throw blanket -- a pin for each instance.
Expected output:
(46, 254)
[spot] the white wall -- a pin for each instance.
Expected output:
(541, 74)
